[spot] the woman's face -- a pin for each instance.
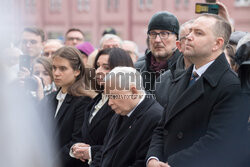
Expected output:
(102, 69)
(63, 73)
(39, 70)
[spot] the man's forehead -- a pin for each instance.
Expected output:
(74, 33)
(157, 30)
(203, 21)
(27, 34)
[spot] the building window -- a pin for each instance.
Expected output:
(149, 3)
(83, 5)
(186, 3)
(141, 4)
(145, 4)
(242, 2)
(177, 3)
(55, 5)
(113, 4)
(116, 4)
(30, 5)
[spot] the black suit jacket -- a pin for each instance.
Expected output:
(68, 123)
(93, 133)
(128, 146)
(203, 125)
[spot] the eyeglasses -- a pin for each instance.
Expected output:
(72, 39)
(163, 34)
(32, 42)
(48, 54)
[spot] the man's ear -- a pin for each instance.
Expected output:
(218, 44)
(178, 45)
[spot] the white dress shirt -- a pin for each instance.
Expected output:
(202, 69)
(60, 97)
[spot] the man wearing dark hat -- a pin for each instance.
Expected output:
(162, 53)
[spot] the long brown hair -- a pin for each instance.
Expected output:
(79, 87)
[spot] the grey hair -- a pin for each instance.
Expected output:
(124, 77)
(136, 51)
(243, 40)
(184, 25)
(108, 37)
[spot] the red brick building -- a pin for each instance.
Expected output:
(128, 17)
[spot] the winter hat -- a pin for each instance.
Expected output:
(164, 21)
(85, 48)
(236, 36)
(109, 30)
(243, 53)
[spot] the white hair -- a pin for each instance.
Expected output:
(54, 41)
(136, 50)
(107, 37)
(184, 25)
(125, 76)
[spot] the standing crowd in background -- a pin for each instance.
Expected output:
(185, 102)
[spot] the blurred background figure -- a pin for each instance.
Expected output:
(107, 41)
(51, 46)
(235, 37)
(42, 68)
(242, 54)
(11, 61)
(243, 40)
(31, 43)
(230, 56)
(132, 48)
(110, 41)
(231, 48)
(109, 30)
(73, 37)
(86, 49)
(24, 140)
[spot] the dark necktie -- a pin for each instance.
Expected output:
(193, 78)
(121, 121)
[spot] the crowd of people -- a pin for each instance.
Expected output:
(180, 104)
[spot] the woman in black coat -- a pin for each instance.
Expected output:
(66, 106)
(99, 113)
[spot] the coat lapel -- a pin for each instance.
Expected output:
(116, 137)
(189, 96)
(104, 110)
(193, 93)
(64, 107)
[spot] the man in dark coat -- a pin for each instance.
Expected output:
(164, 81)
(130, 129)
(163, 31)
(204, 124)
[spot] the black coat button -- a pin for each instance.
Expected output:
(180, 135)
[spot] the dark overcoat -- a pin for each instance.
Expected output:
(203, 125)
(128, 146)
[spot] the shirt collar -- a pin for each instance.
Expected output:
(143, 97)
(61, 96)
(202, 69)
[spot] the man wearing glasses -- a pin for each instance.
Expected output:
(162, 53)
(32, 40)
(73, 37)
